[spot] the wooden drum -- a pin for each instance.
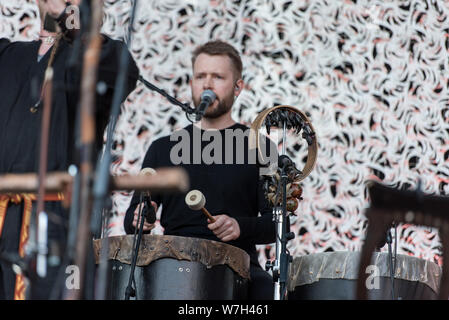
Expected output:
(333, 276)
(176, 268)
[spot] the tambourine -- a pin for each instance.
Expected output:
(297, 117)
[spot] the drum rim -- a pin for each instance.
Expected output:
(300, 273)
(154, 247)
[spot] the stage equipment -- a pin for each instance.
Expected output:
(101, 200)
(168, 180)
(281, 179)
(207, 98)
(333, 276)
(146, 213)
(37, 243)
(189, 111)
(390, 205)
(177, 268)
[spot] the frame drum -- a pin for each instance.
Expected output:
(176, 268)
(333, 276)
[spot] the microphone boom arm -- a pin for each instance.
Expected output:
(184, 106)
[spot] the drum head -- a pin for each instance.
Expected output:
(333, 276)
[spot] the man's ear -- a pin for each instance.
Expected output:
(238, 87)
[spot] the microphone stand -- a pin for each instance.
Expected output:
(392, 268)
(283, 258)
(392, 261)
(184, 106)
(100, 189)
(143, 214)
(71, 236)
(91, 59)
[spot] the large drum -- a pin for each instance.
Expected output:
(333, 276)
(176, 268)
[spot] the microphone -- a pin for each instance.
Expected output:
(288, 167)
(207, 98)
(284, 161)
(148, 210)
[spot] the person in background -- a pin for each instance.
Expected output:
(232, 189)
(23, 65)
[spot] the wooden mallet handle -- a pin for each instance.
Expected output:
(208, 214)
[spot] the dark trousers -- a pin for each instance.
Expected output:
(261, 285)
(9, 247)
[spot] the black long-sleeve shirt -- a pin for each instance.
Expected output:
(21, 78)
(229, 188)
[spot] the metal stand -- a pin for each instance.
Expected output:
(280, 265)
(143, 213)
(392, 264)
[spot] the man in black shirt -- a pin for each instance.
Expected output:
(22, 66)
(214, 152)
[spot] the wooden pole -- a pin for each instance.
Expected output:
(88, 89)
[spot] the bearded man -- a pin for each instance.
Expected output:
(226, 176)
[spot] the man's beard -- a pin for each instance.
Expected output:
(222, 108)
(48, 23)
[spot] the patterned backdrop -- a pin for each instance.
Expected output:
(372, 76)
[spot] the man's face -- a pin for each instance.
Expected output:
(217, 74)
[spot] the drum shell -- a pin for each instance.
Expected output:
(333, 276)
(178, 268)
(170, 279)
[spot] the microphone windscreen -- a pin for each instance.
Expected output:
(208, 94)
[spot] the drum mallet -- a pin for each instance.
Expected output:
(195, 200)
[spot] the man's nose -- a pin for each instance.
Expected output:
(208, 83)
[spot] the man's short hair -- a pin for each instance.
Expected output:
(220, 48)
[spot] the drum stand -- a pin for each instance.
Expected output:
(286, 117)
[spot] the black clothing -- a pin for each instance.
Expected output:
(21, 78)
(229, 188)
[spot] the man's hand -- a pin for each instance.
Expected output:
(53, 7)
(146, 226)
(225, 227)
